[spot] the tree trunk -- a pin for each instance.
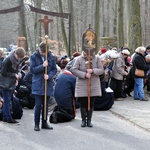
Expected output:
(63, 27)
(97, 24)
(22, 24)
(73, 35)
(120, 27)
(37, 25)
(134, 34)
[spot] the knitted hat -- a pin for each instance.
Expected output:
(103, 50)
(75, 54)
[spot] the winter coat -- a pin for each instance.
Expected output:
(118, 69)
(139, 62)
(79, 69)
(65, 89)
(37, 70)
(27, 80)
(8, 71)
(1, 60)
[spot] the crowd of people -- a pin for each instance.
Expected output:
(43, 77)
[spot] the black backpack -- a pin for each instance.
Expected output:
(16, 110)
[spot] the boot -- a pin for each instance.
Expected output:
(36, 127)
(46, 126)
(89, 116)
(83, 116)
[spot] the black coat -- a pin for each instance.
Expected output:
(139, 62)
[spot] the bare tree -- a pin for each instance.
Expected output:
(37, 25)
(73, 34)
(97, 24)
(134, 34)
(63, 27)
(120, 22)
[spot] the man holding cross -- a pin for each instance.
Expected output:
(43, 69)
(38, 63)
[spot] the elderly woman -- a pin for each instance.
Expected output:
(139, 62)
(118, 73)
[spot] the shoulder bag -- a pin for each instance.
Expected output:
(7, 82)
(139, 72)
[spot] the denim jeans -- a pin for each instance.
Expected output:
(7, 95)
(138, 88)
(39, 105)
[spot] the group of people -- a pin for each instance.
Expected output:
(123, 73)
(68, 81)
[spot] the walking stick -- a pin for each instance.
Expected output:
(45, 81)
(89, 82)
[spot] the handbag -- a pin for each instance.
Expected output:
(139, 73)
(7, 82)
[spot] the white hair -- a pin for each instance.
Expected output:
(140, 49)
(147, 56)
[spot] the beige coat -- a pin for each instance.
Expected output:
(118, 69)
(79, 69)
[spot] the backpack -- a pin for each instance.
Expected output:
(17, 111)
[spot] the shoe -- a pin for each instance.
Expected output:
(46, 126)
(144, 99)
(124, 96)
(129, 95)
(83, 124)
(36, 127)
(89, 124)
(13, 121)
(118, 99)
(4, 120)
(53, 118)
(136, 99)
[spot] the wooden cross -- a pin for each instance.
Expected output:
(46, 21)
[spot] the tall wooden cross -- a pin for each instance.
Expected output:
(45, 21)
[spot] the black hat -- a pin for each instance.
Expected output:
(147, 47)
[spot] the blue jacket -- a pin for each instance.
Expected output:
(37, 70)
(64, 89)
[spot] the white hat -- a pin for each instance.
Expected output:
(126, 52)
(112, 54)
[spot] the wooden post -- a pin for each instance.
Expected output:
(45, 81)
(89, 81)
(22, 42)
(45, 21)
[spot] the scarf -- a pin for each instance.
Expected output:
(14, 61)
(84, 55)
